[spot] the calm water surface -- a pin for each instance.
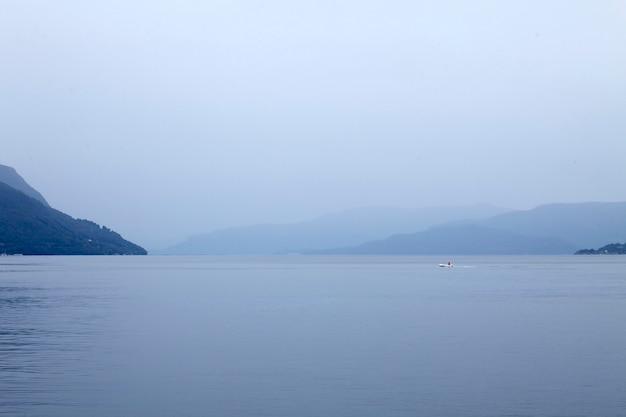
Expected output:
(312, 336)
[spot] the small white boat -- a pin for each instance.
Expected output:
(448, 265)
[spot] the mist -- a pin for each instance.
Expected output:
(165, 119)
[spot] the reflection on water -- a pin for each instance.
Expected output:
(308, 336)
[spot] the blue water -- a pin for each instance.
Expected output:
(312, 336)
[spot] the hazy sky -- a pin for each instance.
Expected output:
(162, 119)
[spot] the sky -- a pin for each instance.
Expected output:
(164, 119)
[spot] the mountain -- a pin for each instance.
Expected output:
(346, 228)
(30, 227)
(583, 224)
(547, 229)
(464, 239)
(10, 177)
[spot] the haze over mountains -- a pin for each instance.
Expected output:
(480, 229)
(346, 228)
(28, 225)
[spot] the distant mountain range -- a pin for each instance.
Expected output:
(29, 226)
(465, 239)
(582, 224)
(348, 228)
(477, 230)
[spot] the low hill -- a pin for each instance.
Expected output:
(610, 249)
(29, 227)
(347, 228)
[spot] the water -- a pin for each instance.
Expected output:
(312, 336)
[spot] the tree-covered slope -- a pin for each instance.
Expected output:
(610, 249)
(29, 227)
